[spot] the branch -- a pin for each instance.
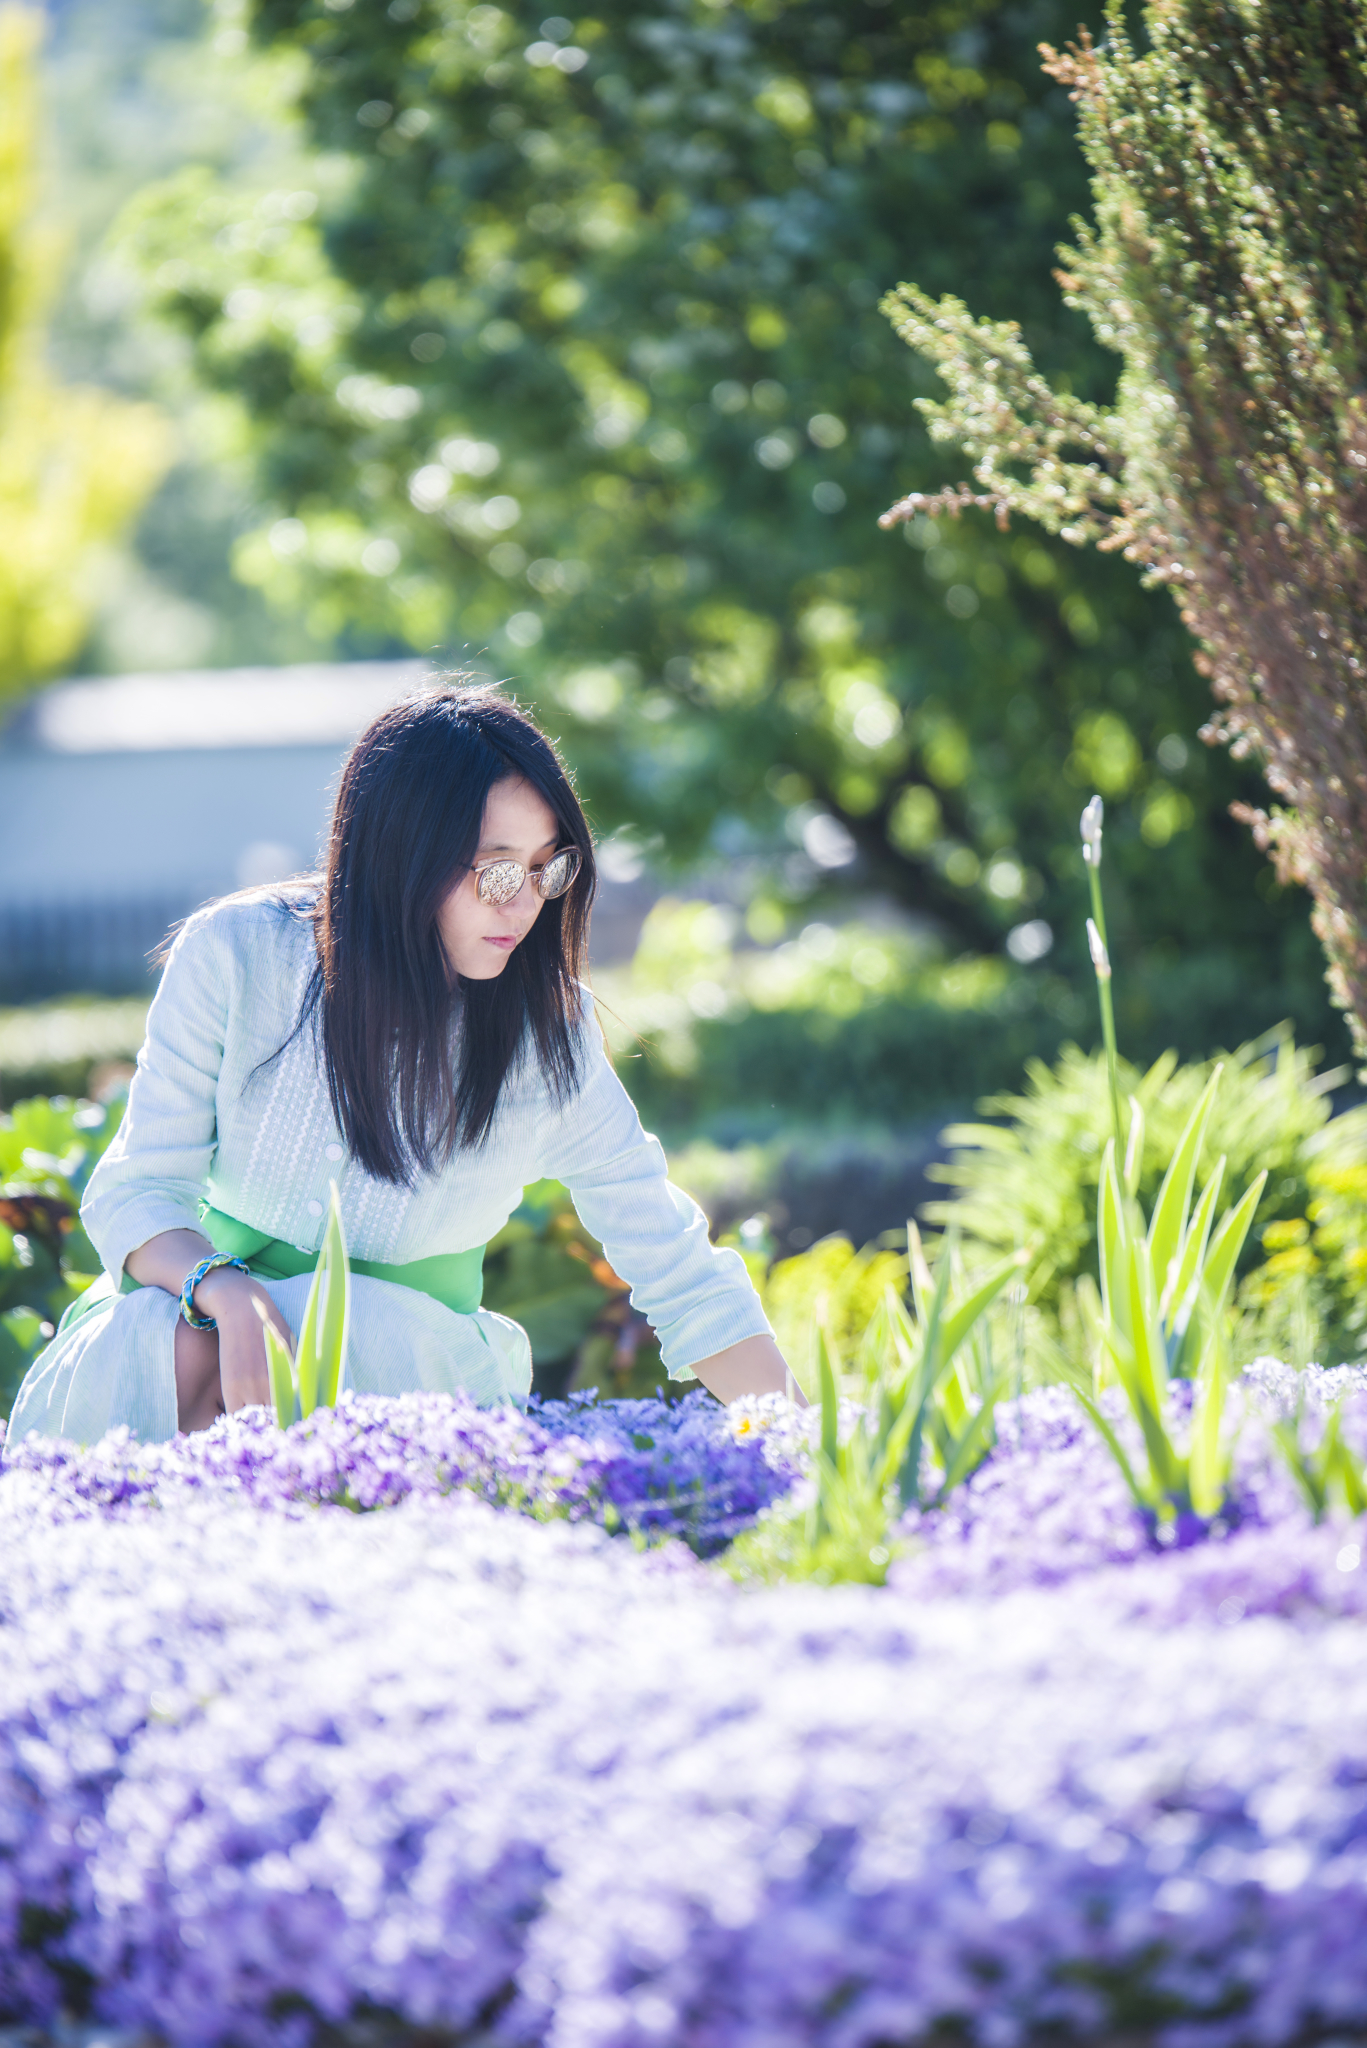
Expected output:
(953, 499)
(1002, 412)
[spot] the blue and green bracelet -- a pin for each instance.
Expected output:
(192, 1280)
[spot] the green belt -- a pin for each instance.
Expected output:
(455, 1279)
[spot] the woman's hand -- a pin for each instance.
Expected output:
(230, 1298)
(215, 1369)
(754, 1366)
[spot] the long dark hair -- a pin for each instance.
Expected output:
(405, 825)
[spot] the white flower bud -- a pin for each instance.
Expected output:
(1090, 828)
(1101, 959)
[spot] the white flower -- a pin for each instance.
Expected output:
(1091, 832)
(1101, 959)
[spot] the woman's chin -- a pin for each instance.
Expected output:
(486, 966)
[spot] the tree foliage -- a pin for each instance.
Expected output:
(566, 353)
(75, 464)
(1228, 269)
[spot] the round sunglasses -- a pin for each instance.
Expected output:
(498, 881)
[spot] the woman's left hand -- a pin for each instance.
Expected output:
(754, 1366)
(231, 1298)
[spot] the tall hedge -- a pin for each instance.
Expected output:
(1228, 270)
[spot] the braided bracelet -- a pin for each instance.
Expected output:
(192, 1280)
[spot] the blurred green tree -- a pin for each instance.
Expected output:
(1228, 269)
(76, 464)
(567, 353)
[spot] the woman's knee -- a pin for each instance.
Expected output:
(199, 1398)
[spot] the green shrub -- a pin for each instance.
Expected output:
(54, 1048)
(892, 1063)
(831, 1287)
(1031, 1180)
(549, 1274)
(48, 1149)
(852, 1022)
(863, 1023)
(1307, 1301)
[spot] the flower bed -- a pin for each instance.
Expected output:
(1050, 1504)
(265, 1764)
(654, 1469)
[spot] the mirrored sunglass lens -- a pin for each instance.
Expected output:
(558, 873)
(501, 882)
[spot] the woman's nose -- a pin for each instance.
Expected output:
(524, 900)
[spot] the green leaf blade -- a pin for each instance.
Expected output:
(280, 1369)
(1168, 1228)
(1227, 1244)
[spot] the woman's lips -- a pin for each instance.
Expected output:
(504, 944)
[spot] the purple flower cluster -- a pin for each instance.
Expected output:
(265, 1766)
(1050, 1503)
(642, 1466)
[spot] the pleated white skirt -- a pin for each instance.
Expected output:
(117, 1364)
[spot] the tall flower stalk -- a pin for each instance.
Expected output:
(1101, 958)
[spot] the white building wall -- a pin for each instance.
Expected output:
(134, 826)
(125, 801)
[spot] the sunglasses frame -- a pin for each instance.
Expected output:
(532, 875)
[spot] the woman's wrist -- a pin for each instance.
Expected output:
(193, 1281)
(220, 1289)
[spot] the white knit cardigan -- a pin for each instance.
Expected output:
(206, 1119)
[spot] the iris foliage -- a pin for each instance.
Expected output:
(1164, 1290)
(312, 1375)
(920, 1422)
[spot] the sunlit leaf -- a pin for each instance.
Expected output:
(1168, 1227)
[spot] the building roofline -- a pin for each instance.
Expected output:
(307, 704)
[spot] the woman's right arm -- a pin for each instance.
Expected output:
(155, 1174)
(141, 1207)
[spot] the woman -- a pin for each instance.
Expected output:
(412, 1028)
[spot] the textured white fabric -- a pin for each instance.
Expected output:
(212, 1114)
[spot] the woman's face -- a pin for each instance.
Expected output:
(478, 938)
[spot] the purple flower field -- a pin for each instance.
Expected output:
(643, 1466)
(267, 1762)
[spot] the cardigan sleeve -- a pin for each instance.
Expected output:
(155, 1173)
(697, 1296)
